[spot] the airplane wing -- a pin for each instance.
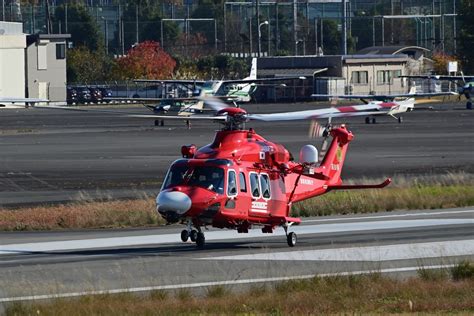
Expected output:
(439, 77)
(237, 81)
(384, 96)
(13, 102)
(170, 81)
(22, 100)
(149, 99)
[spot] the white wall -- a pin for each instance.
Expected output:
(12, 65)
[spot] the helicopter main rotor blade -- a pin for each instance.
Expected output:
(179, 117)
(215, 103)
(308, 115)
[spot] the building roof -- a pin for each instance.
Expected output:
(391, 50)
(36, 37)
(281, 72)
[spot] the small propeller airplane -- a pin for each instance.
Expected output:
(240, 90)
(465, 88)
(241, 180)
(383, 104)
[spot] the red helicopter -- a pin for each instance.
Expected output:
(241, 180)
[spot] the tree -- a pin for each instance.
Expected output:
(466, 19)
(147, 60)
(86, 66)
(81, 25)
(149, 16)
(441, 60)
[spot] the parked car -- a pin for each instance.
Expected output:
(96, 95)
(84, 95)
(71, 96)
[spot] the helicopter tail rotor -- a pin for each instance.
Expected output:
(316, 130)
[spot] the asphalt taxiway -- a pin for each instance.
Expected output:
(54, 155)
(39, 265)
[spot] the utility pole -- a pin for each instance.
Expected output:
(295, 26)
(257, 13)
(344, 28)
(136, 23)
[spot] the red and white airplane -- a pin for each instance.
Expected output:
(382, 104)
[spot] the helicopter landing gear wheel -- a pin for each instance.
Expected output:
(184, 235)
(367, 120)
(291, 239)
(400, 119)
(200, 240)
(374, 121)
(193, 235)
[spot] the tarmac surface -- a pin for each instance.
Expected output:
(52, 156)
(42, 265)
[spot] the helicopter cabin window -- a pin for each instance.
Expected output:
(243, 184)
(254, 185)
(210, 178)
(231, 183)
(265, 185)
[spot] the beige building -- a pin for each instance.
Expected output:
(32, 66)
(46, 66)
(368, 72)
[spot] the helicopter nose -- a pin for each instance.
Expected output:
(173, 201)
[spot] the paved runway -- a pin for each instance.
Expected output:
(46, 264)
(53, 155)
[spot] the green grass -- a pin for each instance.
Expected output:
(360, 294)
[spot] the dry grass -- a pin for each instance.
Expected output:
(120, 213)
(451, 190)
(349, 294)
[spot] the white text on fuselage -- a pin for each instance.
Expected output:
(259, 207)
(306, 181)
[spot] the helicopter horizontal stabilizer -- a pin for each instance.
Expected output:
(360, 186)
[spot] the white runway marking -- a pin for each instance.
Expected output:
(437, 249)
(115, 242)
(216, 283)
(320, 220)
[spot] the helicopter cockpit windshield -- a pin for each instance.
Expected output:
(207, 177)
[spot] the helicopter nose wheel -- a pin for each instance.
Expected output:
(291, 238)
(200, 240)
(184, 235)
(193, 235)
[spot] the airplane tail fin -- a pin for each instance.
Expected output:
(253, 69)
(198, 105)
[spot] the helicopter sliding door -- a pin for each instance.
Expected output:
(260, 193)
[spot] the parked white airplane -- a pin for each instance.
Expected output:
(384, 104)
(239, 90)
